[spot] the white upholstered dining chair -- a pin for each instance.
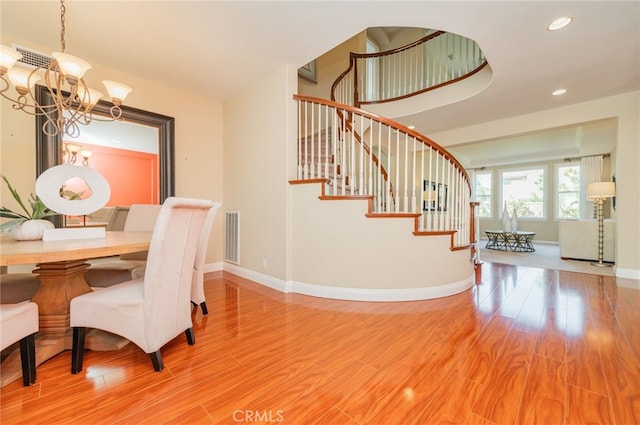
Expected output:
(19, 322)
(140, 217)
(197, 283)
(118, 271)
(152, 310)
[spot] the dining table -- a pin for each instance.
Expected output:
(60, 267)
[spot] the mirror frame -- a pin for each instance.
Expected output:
(49, 148)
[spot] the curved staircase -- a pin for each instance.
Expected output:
(408, 229)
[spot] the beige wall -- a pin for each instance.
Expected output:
(259, 134)
(336, 245)
(626, 108)
(330, 65)
(198, 146)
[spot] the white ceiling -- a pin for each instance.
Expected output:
(583, 139)
(224, 46)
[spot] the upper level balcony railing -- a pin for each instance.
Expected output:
(433, 61)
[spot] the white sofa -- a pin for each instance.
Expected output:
(579, 239)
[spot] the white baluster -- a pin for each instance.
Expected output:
(413, 177)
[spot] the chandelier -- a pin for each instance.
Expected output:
(73, 100)
(70, 153)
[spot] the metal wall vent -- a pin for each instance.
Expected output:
(232, 240)
(33, 58)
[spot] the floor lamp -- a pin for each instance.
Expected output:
(598, 192)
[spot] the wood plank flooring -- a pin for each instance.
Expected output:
(523, 346)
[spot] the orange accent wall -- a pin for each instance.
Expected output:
(133, 175)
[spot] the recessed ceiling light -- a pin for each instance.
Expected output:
(560, 23)
(559, 92)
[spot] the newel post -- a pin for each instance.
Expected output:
(475, 251)
(356, 95)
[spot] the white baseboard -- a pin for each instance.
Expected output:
(382, 295)
(212, 267)
(628, 274)
(351, 294)
(263, 279)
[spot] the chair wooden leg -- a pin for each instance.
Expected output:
(28, 359)
(77, 349)
(203, 306)
(191, 338)
(156, 359)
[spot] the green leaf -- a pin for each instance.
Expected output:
(15, 195)
(6, 213)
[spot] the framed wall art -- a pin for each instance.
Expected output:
(308, 72)
(435, 196)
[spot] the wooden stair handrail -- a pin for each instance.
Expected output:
(393, 124)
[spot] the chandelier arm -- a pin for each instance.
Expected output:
(115, 115)
(71, 128)
(50, 127)
(116, 112)
(4, 86)
(21, 103)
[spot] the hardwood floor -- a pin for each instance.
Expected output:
(524, 346)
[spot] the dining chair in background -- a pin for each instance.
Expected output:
(152, 310)
(139, 217)
(18, 287)
(197, 283)
(19, 322)
(117, 218)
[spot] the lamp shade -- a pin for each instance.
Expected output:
(22, 79)
(117, 91)
(601, 190)
(88, 96)
(8, 57)
(72, 67)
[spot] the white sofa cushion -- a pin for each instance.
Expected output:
(579, 239)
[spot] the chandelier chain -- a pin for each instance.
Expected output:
(63, 10)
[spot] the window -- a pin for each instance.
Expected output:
(567, 191)
(483, 193)
(372, 72)
(523, 189)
